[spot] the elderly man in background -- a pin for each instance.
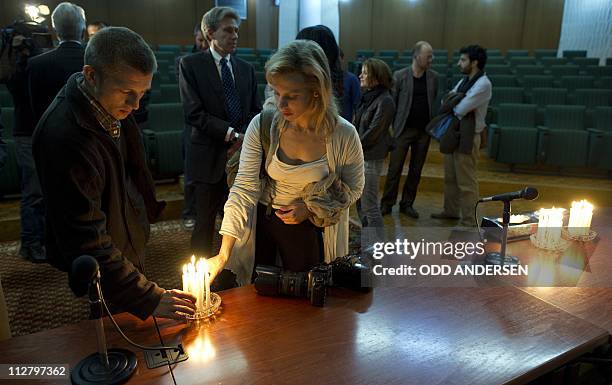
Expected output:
(99, 193)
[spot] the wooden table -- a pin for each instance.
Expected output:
(389, 336)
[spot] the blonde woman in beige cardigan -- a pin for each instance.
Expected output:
(313, 173)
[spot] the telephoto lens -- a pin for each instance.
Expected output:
(273, 281)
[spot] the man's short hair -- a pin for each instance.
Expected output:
(114, 45)
(68, 20)
(418, 47)
(213, 18)
(99, 24)
(475, 52)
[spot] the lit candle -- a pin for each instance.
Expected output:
(196, 280)
(550, 222)
(581, 214)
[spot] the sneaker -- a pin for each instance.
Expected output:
(189, 224)
(443, 215)
(34, 254)
(411, 212)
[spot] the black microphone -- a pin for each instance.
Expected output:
(528, 193)
(84, 269)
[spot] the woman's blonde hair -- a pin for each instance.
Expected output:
(307, 58)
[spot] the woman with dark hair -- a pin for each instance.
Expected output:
(373, 118)
(324, 37)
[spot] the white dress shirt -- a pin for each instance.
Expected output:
(476, 99)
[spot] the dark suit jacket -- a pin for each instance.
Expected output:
(48, 73)
(402, 95)
(205, 111)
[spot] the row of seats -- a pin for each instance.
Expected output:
(491, 52)
(562, 141)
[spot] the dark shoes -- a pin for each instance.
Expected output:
(443, 215)
(189, 223)
(385, 209)
(34, 254)
(410, 211)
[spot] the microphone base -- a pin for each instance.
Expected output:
(497, 259)
(91, 370)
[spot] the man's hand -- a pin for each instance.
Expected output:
(174, 302)
(293, 214)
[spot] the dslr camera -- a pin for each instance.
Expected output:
(351, 271)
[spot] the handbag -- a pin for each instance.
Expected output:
(438, 129)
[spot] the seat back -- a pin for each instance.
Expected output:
(517, 115)
(564, 117)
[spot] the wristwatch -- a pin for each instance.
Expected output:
(235, 136)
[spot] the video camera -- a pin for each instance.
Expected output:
(350, 271)
(18, 42)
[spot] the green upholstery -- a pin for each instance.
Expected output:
(585, 61)
(570, 54)
(600, 139)
(522, 70)
(388, 53)
(592, 98)
(597, 71)
(522, 60)
(513, 139)
(163, 140)
(500, 69)
(564, 117)
(496, 60)
(175, 48)
(240, 51)
(564, 70)
(574, 82)
(551, 61)
(440, 68)
(506, 95)
(545, 53)
(364, 53)
(564, 141)
(165, 117)
(536, 81)
(169, 93)
(502, 80)
(516, 53)
(545, 96)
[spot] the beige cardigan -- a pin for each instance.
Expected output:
(345, 158)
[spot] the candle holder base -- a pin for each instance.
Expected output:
(580, 238)
(558, 247)
(215, 303)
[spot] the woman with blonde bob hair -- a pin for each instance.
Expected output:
(312, 173)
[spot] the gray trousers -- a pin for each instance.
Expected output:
(369, 198)
(461, 184)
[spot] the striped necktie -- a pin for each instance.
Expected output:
(232, 101)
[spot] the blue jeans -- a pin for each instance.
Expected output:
(369, 199)
(189, 204)
(32, 210)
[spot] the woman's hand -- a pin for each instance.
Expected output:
(293, 214)
(215, 265)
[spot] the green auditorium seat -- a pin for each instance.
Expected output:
(564, 70)
(585, 61)
(393, 53)
(10, 179)
(597, 71)
(535, 81)
(570, 54)
(545, 53)
(513, 140)
(600, 139)
(490, 52)
(163, 140)
(364, 53)
(261, 77)
(7, 114)
(551, 61)
(605, 83)
(609, 61)
(186, 48)
(516, 53)
(169, 94)
(174, 48)
(543, 96)
(522, 60)
(502, 80)
(437, 60)
(563, 141)
(250, 57)
(503, 95)
(498, 69)
(574, 82)
(245, 51)
(261, 91)
(6, 99)
(522, 70)
(164, 55)
(265, 51)
(592, 98)
(440, 68)
(441, 53)
(404, 63)
(496, 60)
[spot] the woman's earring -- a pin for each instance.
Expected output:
(316, 95)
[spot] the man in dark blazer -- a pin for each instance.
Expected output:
(219, 95)
(414, 90)
(48, 73)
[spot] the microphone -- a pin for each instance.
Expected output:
(84, 269)
(528, 193)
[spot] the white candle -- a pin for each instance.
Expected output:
(550, 222)
(580, 218)
(196, 280)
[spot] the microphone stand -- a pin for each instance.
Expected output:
(501, 258)
(113, 366)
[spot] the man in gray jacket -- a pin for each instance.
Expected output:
(414, 91)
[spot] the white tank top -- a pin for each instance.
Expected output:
(288, 181)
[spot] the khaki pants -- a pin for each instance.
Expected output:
(460, 184)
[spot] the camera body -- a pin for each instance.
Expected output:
(274, 281)
(350, 271)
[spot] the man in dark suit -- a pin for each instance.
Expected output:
(48, 73)
(414, 90)
(219, 95)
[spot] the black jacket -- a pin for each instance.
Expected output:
(205, 112)
(99, 197)
(373, 120)
(48, 73)
(460, 133)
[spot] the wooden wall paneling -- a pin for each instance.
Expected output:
(356, 25)
(492, 24)
(542, 27)
(174, 21)
(267, 24)
(137, 15)
(398, 24)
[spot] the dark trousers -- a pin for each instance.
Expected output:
(32, 208)
(189, 206)
(418, 146)
(300, 246)
(210, 198)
